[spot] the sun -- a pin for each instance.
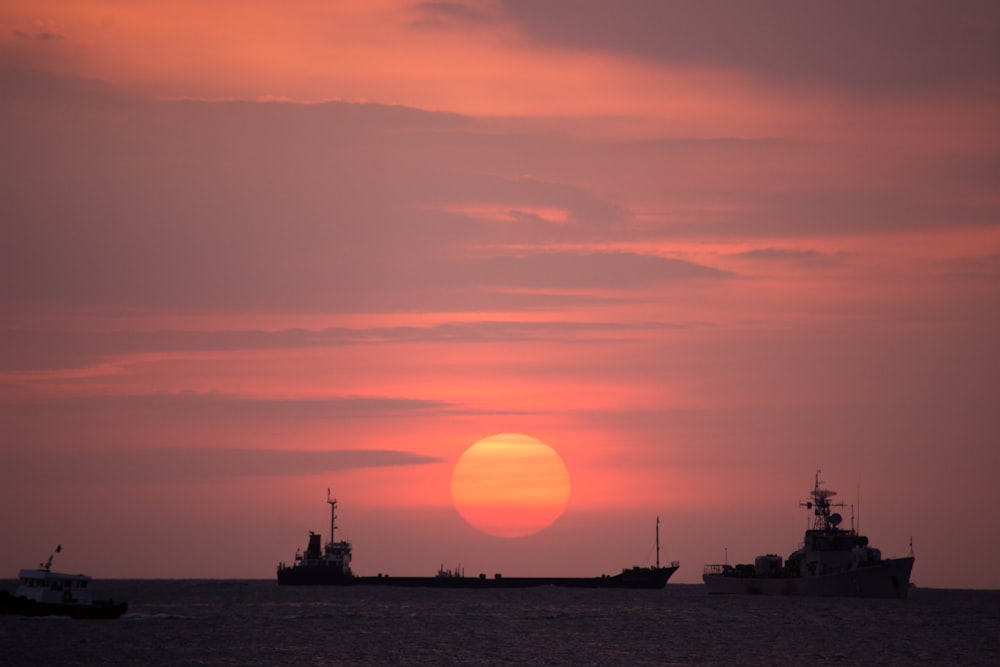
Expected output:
(510, 485)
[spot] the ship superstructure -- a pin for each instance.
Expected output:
(320, 564)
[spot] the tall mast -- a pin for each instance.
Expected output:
(657, 541)
(859, 504)
(333, 513)
(48, 564)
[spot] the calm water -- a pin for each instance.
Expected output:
(258, 623)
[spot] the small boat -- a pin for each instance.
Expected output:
(832, 561)
(330, 565)
(42, 592)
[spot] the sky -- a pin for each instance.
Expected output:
(251, 251)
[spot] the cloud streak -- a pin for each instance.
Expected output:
(191, 405)
(898, 46)
(35, 350)
(179, 464)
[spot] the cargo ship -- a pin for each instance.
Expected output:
(832, 562)
(330, 565)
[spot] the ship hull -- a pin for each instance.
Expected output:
(648, 578)
(12, 605)
(314, 576)
(888, 579)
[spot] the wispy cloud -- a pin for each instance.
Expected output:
(41, 350)
(194, 464)
(792, 255)
(38, 29)
(190, 405)
(453, 15)
(898, 45)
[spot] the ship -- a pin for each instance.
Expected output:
(832, 562)
(330, 565)
(42, 592)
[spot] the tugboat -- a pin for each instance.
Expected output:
(331, 566)
(42, 592)
(831, 562)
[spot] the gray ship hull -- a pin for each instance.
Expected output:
(889, 578)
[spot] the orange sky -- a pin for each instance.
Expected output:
(253, 250)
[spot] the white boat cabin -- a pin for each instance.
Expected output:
(54, 587)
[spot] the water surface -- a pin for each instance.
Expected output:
(210, 622)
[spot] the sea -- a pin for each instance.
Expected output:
(247, 623)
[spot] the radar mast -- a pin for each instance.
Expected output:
(820, 504)
(333, 514)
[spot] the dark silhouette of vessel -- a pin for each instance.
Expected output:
(831, 562)
(42, 592)
(330, 565)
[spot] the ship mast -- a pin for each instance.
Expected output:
(47, 566)
(333, 513)
(820, 504)
(657, 542)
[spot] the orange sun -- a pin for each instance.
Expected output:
(510, 485)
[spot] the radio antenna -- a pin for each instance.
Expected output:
(859, 504)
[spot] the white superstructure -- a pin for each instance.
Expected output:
(48, 587)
